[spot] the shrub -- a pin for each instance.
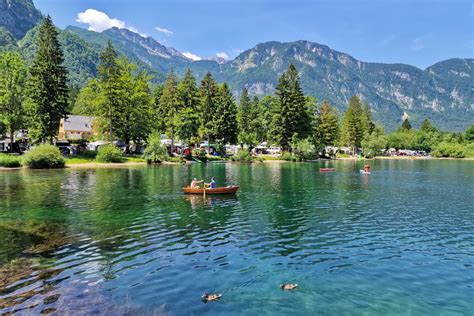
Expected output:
(452, 150)
(176, 159)
(303, 150)
(155, 152)
(110, 153)
(242, 155)
(200, 153)
(9, 161)
(92, 154)
(44, 156)
(288, 156)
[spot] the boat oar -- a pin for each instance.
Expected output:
(204, 192)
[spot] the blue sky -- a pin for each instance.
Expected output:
(415, 32)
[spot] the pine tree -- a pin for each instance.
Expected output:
(108, 75)
(188, 124)
(291, 116)
(406, 125)
(170, 107)
(226, 116)
(366, 120)
(48, 88)
(13, 76)
(427, 127)
(209, 92)
(245, 117)
(352, 127)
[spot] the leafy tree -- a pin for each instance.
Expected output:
(267, 110)
(48, 88)
(469, 135)
(188, 94)
(327, 125)
(406, 125)
(135, 98)
(226, 116)
(401, 139)
(13, 76)
(170, 105)
(352, 126)
(109, 79)
(291, 115)
(157, 114)
(89, 99)
(155, 151)
(209, 93)
(374, 142)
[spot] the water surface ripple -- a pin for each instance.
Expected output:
(127, 241)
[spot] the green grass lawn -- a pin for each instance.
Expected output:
(80, 160)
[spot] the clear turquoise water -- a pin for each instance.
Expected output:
(126, 241)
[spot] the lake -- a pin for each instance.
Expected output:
(127, 241)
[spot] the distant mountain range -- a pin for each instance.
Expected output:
(444, 92)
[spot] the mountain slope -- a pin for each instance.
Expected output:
(18, 16)
(443, 93)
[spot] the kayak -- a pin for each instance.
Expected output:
(326, 169)
(221, 190)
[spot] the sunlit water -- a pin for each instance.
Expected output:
(127, 241)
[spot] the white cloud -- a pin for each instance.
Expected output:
(222, 55)
(98, 21)
(191, 56)
(164, 31)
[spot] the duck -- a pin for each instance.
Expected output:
(211, 297)
(288, 286)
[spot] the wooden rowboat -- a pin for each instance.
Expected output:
(326, 169)
(221, 190)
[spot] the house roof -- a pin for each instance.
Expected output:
(78, 123)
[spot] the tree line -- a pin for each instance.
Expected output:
(129, 108)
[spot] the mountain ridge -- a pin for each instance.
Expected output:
(442, 92)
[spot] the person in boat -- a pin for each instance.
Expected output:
(195, 183)
(212, 184)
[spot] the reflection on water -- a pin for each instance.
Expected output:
(127, 241)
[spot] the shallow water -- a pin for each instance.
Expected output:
(127, 241)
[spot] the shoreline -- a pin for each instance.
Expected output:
(98, 165)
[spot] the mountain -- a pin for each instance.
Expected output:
(18, 16)
(443, 92)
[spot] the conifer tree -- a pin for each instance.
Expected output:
(188, 93)
(209, 92)
(48, 88)
(406, 125)
(427, 127)
(226, 116)
(291, 116)
(170, 107)
(13, 76)
(245, 118)
(352, 127)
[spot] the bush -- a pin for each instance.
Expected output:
(9, 161)
(242, 155)
(110, 153)
(176, 159)
(304, 150)
(91, 154)
(200, 153)
(452, 150)
(44, 156)
(155, 152)
(288, 156)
